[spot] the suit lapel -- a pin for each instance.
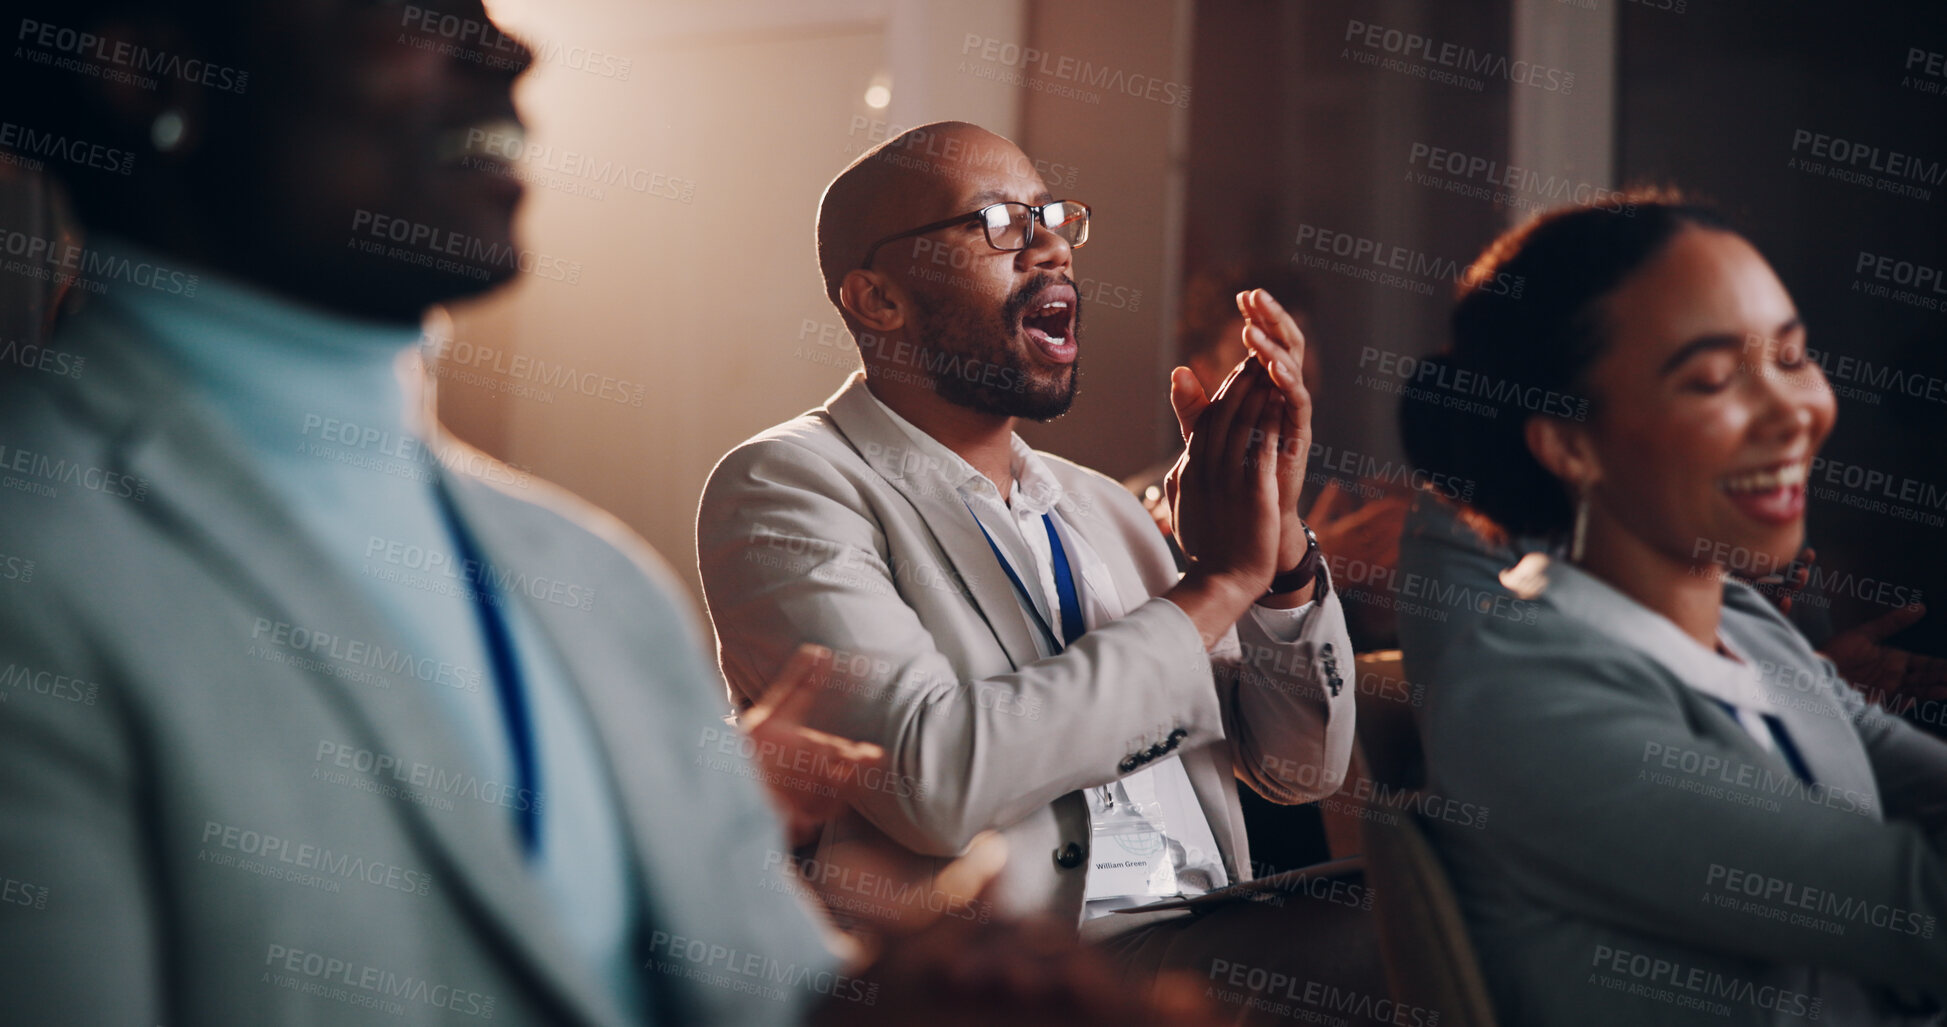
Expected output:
(608, 680)
(1824, 736)
(916, 476)
(1821, 729)
(1828, 744)
(203, 497)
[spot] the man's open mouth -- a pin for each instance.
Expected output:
(1050, 323)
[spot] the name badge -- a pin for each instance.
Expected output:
(1129, 851)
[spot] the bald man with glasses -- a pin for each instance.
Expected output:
(1010, 627)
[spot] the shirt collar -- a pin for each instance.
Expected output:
(1595, 602)
(1036, 489)
(278, 370)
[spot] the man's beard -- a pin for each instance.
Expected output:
(973, 365)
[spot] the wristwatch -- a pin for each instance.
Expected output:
(1310, 569)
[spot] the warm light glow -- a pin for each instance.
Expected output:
(877, 96)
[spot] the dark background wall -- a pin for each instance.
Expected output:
(1290, 131)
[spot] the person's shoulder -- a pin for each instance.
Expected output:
(1503, 683)
(805, 457)
(50, 411)
(1748, 613)
(1531, 643)
(1447, 526)
(1783, 653)
(556, 522)
(66, 494)
(814, 429)
(810, 438)
(85, 552)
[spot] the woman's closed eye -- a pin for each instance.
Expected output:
(1710, 373)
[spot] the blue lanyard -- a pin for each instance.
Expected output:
(1786, 747)
(507, 678)
(1071, 604)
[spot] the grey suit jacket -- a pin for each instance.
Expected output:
(217, 808)
(834, 529)
(1642, 858)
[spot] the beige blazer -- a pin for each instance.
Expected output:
(834, 528)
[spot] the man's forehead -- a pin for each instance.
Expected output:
(971, 167)
(1021, 191)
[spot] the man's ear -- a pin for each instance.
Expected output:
(1565, 448)
(873, 300)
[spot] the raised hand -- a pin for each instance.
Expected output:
(1224, 490)
(1274, 341)
(1223, 496)
(785, 747)
(1880, 670)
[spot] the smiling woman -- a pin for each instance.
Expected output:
(1543, 339)
(1659, 731)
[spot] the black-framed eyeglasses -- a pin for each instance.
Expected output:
(1009, 225)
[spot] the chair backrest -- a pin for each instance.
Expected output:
(1423, 940)
(1389, 730)
(1430, 961)
(1387, 753)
